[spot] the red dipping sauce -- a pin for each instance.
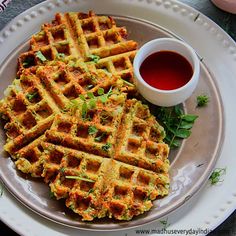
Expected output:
(166, 70)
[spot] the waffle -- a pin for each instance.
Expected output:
(28, 111)
(114, 179)
(88, 37)
(33, 100)
(105, 187)
(69, 119)
(69, 131)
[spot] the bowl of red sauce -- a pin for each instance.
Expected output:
(166, 71)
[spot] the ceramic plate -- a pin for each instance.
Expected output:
(191, 164)
(201, 148)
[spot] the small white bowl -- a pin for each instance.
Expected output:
(166, 97)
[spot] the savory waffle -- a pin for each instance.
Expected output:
(88, 37)
(28, 111)
(33, 100)
(140, 140)
(92, 133)
(68, 120)
(95, 187)
(85, 159)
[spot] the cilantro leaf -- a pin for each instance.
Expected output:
(90, 95)
(216, 175)
(189, 118)
(92, 103)
(185, 125)
(72, 106)
(94, 58)
(182, 133)
(100, 91)
(103, 98)
(176, 124)
(202, 100)
(165, 223)
(30, 96)
(106, 147)
(51, 194)
(92, 130)
(82, 97)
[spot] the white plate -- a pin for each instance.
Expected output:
(214, 203)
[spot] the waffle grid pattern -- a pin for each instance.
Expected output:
(87, 37)
(111, 181)
(33, 101)
(68, 119)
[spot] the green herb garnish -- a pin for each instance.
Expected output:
(91, 190)
(103, 98)
(90, 95)
(51, 194)
(72, 106)
(106, 147)
(62, 170)
(90, 103)
(94, 58)
(100, 91)
(128, 83)
(202, 100)
(79, 178)
(215, 177)
(176, 124)
(72, 207)
(82, 97)
(40, 56)
(61, 56)
(84, 110)
(165, 223)
(92, 130)
(30, 96)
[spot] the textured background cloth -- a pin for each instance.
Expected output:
(225, 20)
(3, 4)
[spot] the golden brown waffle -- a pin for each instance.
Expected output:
(28, 111)
(96, 148)
(90, 133)
(68, 120)
(88, 37)
(104, 187)
(33, 100)
(140, 140)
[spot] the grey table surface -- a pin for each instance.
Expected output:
(225, 20)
